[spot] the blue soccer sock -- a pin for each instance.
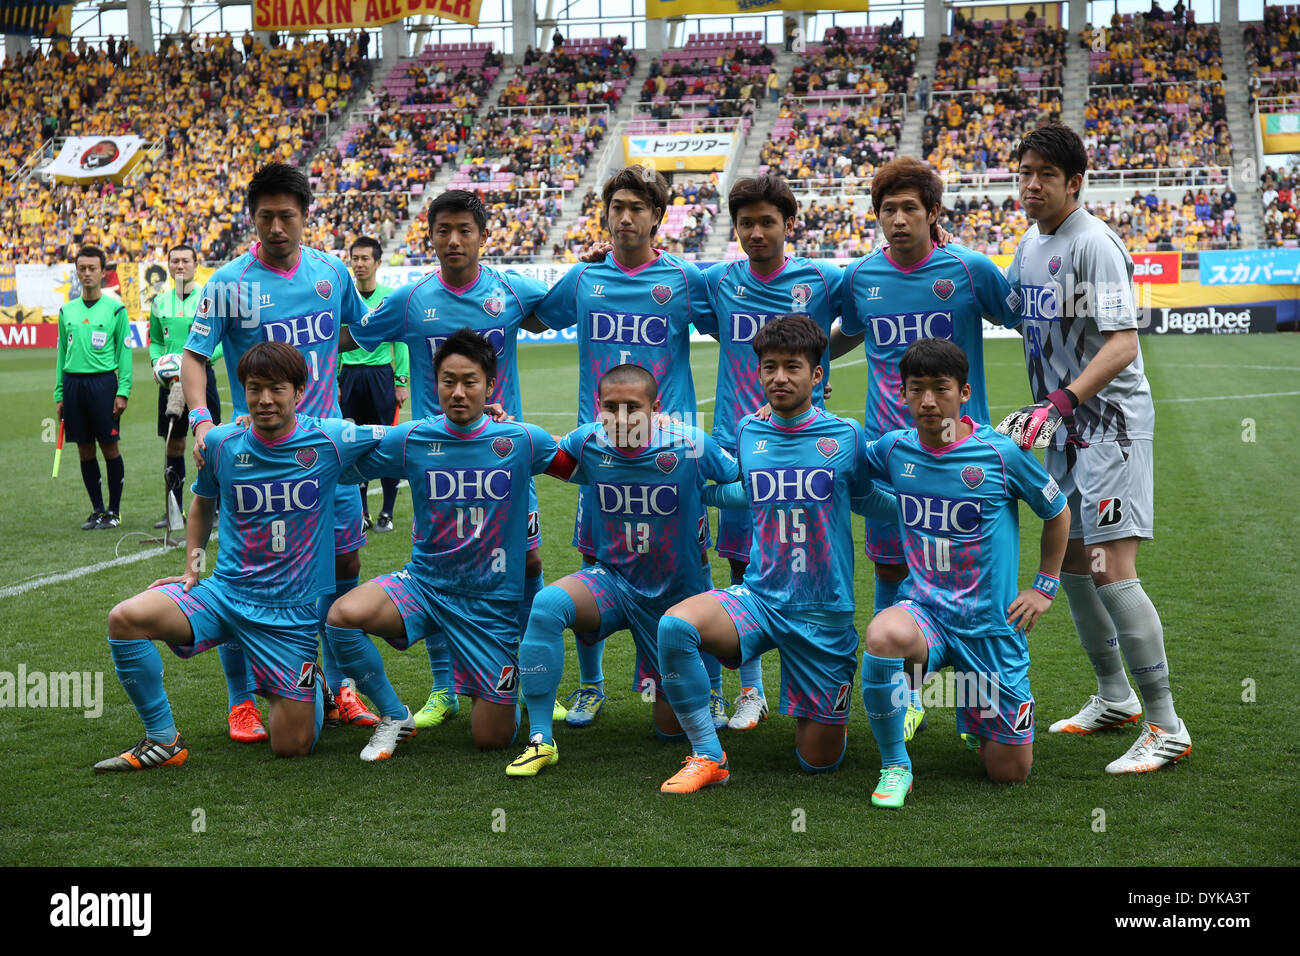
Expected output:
(531, 587)
(670, 738)
(751, 675)
(320, 715)
(712, 667)
(541, 656)
(359, 658)
(234, 664)
(813, 768)
(139, 667)
(590, 663)
(885, 695)
(886, 594)
(688, 691)
(439, 664)
(334, 671)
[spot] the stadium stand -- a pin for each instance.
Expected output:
(999, 54)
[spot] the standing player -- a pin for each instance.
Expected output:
(373, 384)
(646, 482)
(909, 290)
(169, 326)
(92, 382)
(461, 295)
(281, 291)
(745, 295)
(634, 307)
(276, 483)
(800, 469)
(469, 479)
(1075, 280)
(958, 487)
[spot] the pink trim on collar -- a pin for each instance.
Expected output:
(768, 278)
(280, 272)
(908, 270)
(947, 448)
(462, 289)
(631, 272)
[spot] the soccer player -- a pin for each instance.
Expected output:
(1075, 280)
(92, 382)
(635, 307)
(469, 479)
(799, 471)
(462, 294)
(276, 484)
(169, 326)
(281, 291)
(745, 294)
(958, 484)
(373, 385)
(648, 531)
(908, 290)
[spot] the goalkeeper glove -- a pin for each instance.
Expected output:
(1034, 425)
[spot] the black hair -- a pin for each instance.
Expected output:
(91, 252)
(473, 346)
(934, 358)
(365, 242)
(279, 179)
(459, 200)
(273, 362)
(766, 187)
(183, 247)
(1058, 145)
(627, 374)
(792, 333)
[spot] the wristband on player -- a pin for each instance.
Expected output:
(198, 416)
(401, 379)
(1046, 584)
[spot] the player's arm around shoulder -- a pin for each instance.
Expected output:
(566, 463)
(373, 451)
(998, 301)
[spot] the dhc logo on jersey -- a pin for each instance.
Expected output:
(637, 499)
(745, 325)
(1040, 302)
(791, 484)
(939, 515)
(496, 338)
(468, 484)
(904, 329)
(301, 330)
(629, 328)
(275, 497)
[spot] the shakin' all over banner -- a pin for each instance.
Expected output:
(295, 16)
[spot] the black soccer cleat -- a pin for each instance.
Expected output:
(91, 523)
(107, 521)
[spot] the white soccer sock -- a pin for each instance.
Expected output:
(1097, 635)
(1142, 641)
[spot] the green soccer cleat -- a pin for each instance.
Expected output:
(535, 756)
(894, 786)
(718, 710)
(590, 701)
(913, 722)
(559, 711)
(972, 742)
(440, 705)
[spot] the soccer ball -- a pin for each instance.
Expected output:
(167, 369)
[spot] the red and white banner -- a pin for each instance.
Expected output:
(29, 335)
(1163, 268)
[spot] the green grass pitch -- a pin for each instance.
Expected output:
(1221, 572)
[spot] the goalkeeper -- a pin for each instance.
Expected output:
(169, 327)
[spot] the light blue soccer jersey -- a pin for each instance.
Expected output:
(277, 506)
(743, 302)
(961, 525)
(469, 488)
(943, 296)
(641, 316)
(650, 524)
(247, 301)
(799, 478)
(422, 314)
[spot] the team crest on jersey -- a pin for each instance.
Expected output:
(493, 305)
(1024, 718)
(943, 288)
(800, 293)
(827, 446)
(661, 293)
(667, 461)
(508, 680)
(205, 306)
(972, 476)
(324, 288)
(502, 446)
(305, 457)
(1054, 265)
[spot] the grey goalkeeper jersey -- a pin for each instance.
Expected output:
(1074, 285)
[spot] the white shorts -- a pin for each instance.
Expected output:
(1110, 490)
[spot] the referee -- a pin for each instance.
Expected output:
(373, 385)
(92, 380)
(169, 327)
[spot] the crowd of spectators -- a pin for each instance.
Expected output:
(1272, 52)
(1145, 50)
(1000, 54)
(973, 133)
(984, 224)
(1280, 194)
(1150, 127)
(839, 145)
(1149, 223)
(519, 226)
(565, 75)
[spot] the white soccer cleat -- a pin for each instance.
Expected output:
(1100, 714)
(389, 733)
(1152, 750)
(751, 707)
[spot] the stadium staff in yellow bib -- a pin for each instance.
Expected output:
(92, 381)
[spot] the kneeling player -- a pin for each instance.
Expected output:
(648, 534)
(276, 481)
(469, 479)
(958, 483)
(799, 472)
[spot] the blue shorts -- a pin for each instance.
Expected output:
(582, 539)
(482, 635)
(349, 529)
(882, 542)
(992, 679)
(817, 662)
(735, 533)
(281, 642)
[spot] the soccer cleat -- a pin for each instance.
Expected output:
(1098, 714)
(696, 774)
(385, 523)
(536, 756)
(107, 520)
(718, 709)
(590, 701)
(751, 707)
(440, 705)
(366, 523)
(913, 722)
(160, 524)
(245, 723)
(559, 711)
(91, 523)
(894, 786)
(972, 742)
(350, 708)
(387, 736)
(146, 755)
(1152, 750)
